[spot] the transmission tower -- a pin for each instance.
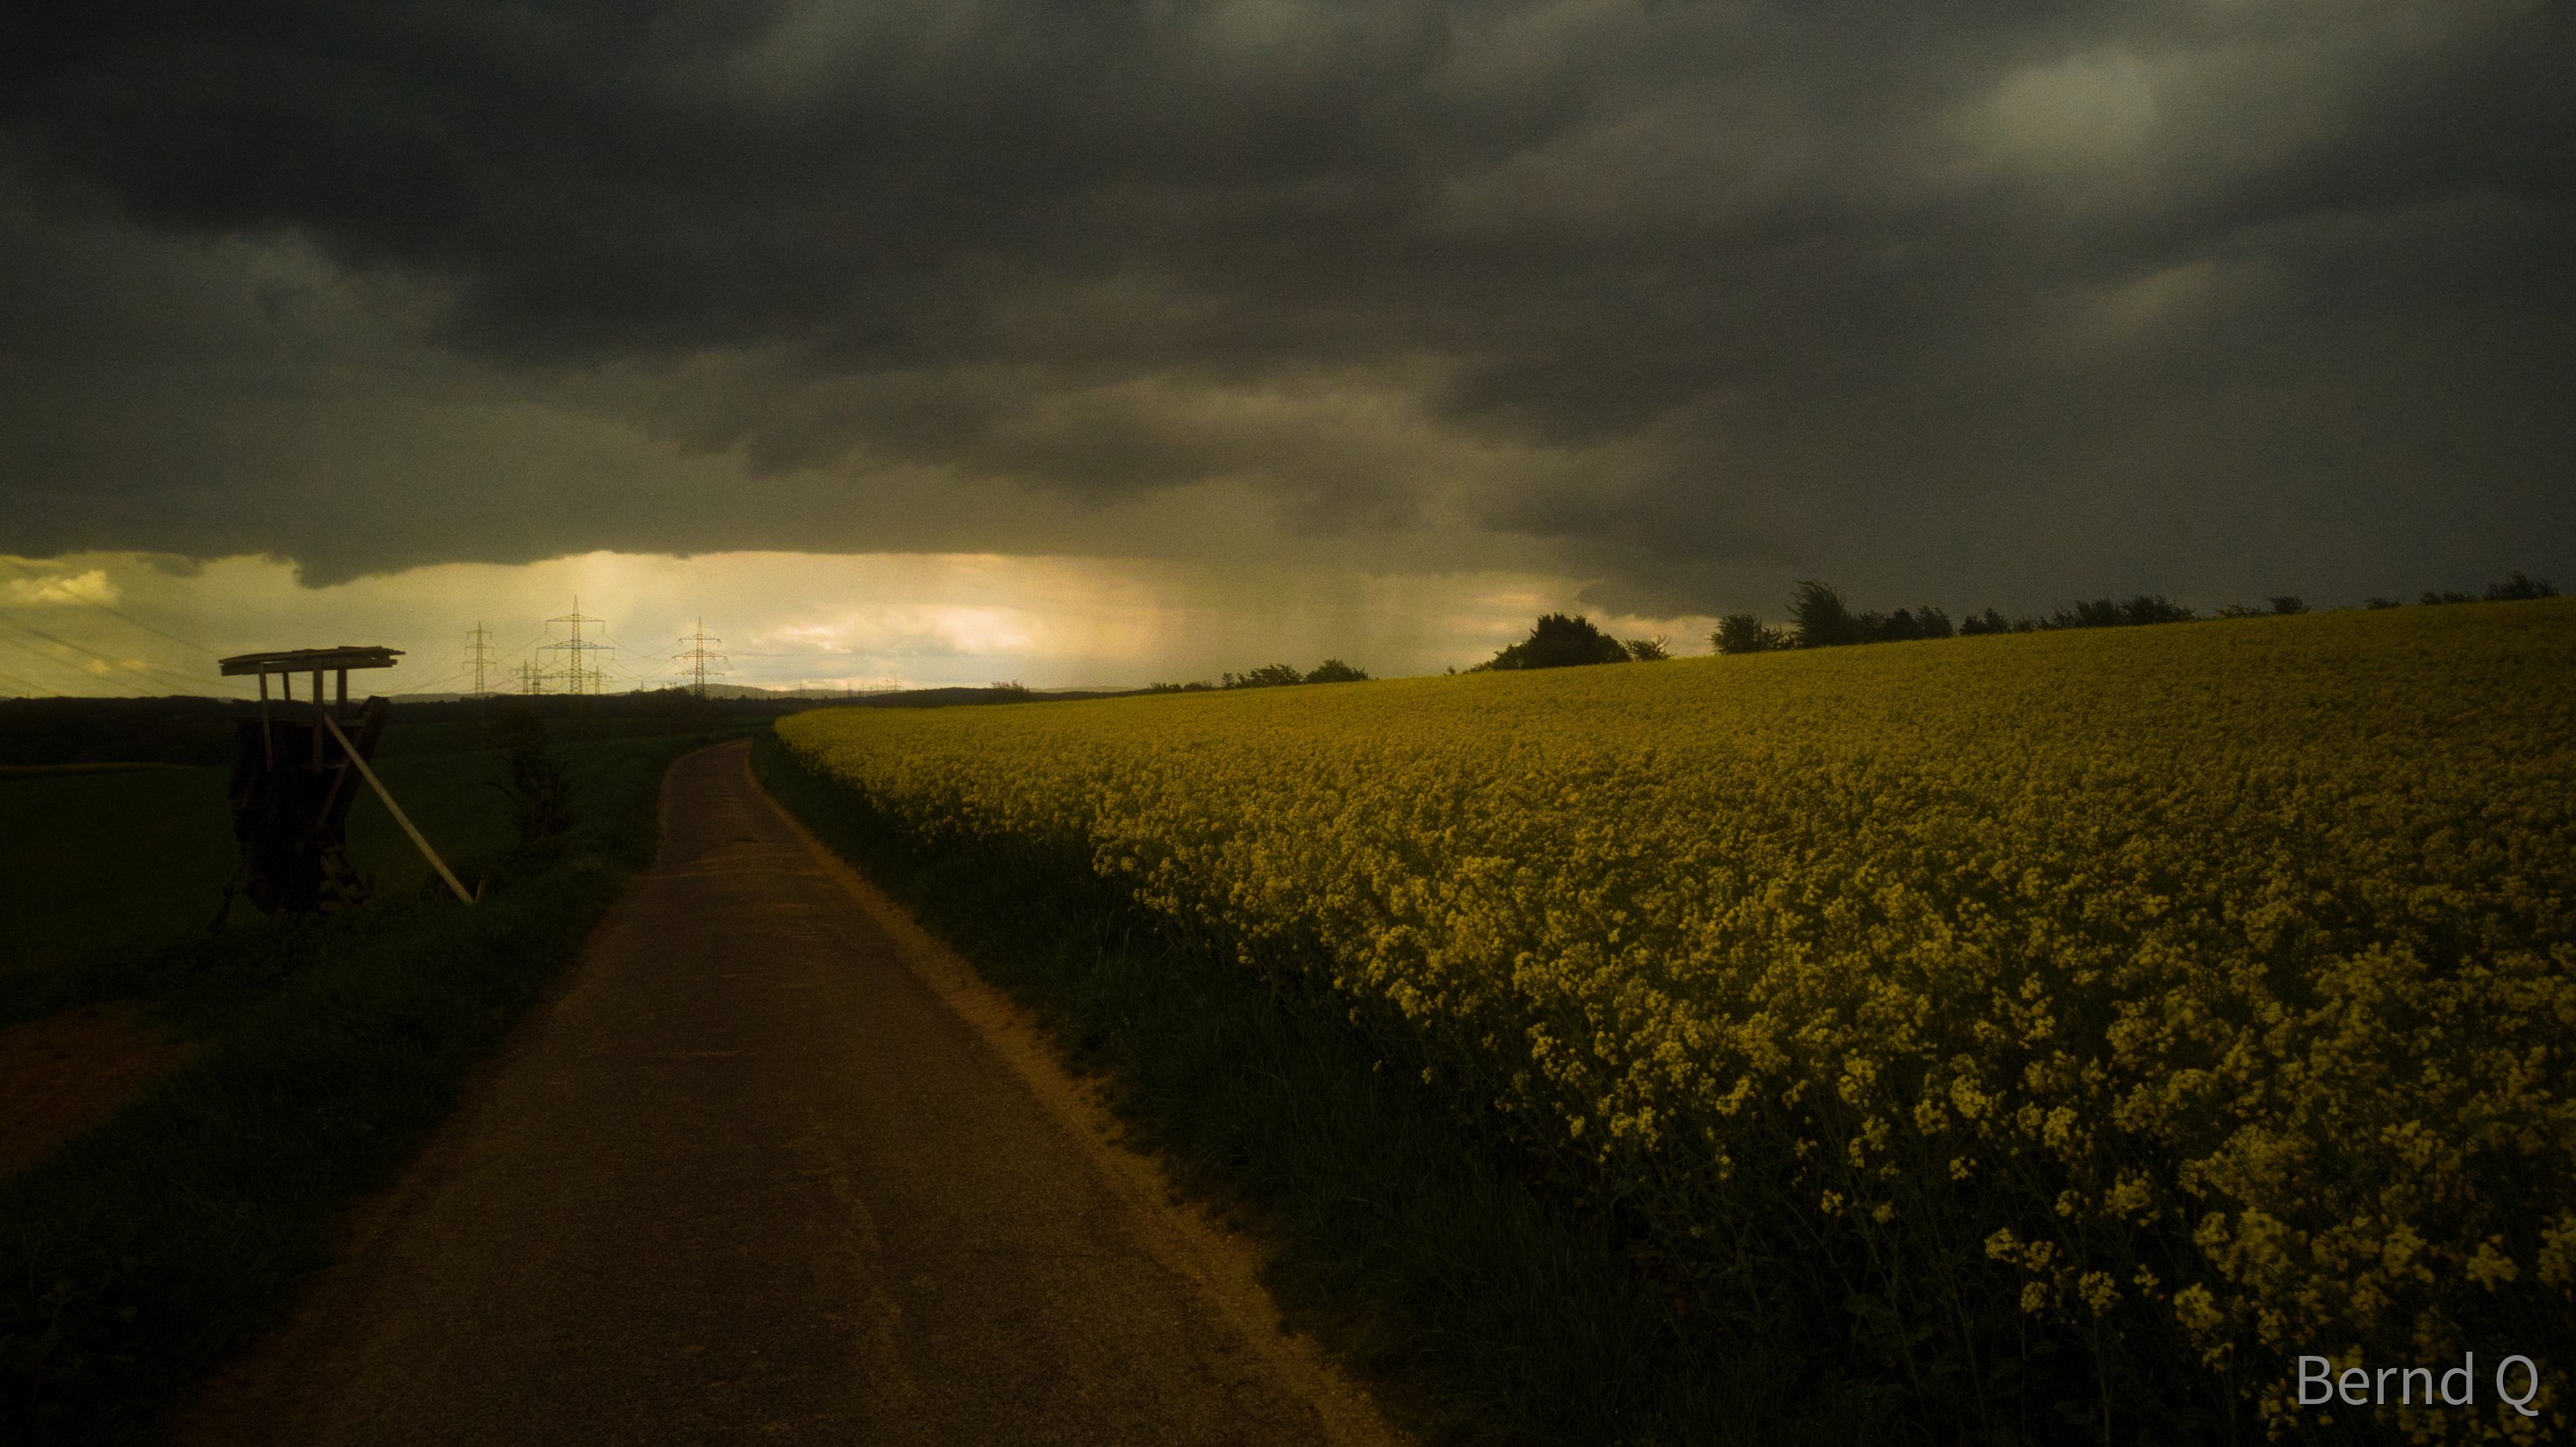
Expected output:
(478, 654)
(698, 662)
(575, 668)
(532, 679)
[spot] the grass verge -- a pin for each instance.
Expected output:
(137, 1256)
(1481, 1308)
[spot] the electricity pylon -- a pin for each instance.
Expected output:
(532, 679)
(478, 654)
(580, 675)
(696, 662)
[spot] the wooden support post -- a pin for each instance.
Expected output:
(267, 745)
(341, 694)
(393, 808)
(322, 715)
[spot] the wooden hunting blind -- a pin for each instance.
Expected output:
(295, 775)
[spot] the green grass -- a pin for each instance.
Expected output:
(137, 1256)
(109, 863)
(1484, 1304)
(123, 862)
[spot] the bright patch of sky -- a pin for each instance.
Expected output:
(137, 624)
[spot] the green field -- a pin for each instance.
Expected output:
(115, 867)
(107, 862)
(136, 860)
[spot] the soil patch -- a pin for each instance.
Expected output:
(64, 1073)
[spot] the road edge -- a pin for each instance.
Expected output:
(1182, 1235)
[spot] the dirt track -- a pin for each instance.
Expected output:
(770, 1167)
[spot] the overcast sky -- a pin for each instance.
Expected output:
(1287, 314)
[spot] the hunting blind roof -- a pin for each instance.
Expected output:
(310, 660)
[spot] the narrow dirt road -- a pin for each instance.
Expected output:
(767, 1170)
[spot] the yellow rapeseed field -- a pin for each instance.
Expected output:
(2191, 997)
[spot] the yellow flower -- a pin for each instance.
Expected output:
(2066, 943)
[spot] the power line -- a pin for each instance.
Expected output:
(515, 664)
(580, 674)
(167, 675)
(522, 648)
(187, 681)
(33, 690)
(146, 627)
(695, 662)
(41, 656)
(650, 677)
(432, 685)
(478, 654)
(66, 665)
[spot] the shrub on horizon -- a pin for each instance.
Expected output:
(2144, 608)
(1559, 641)
(2516, 588)
(1269, 675)
(1824, 620)
(1744, 633)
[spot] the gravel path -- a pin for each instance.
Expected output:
(772, 1167)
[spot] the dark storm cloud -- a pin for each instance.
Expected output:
(2017, 297)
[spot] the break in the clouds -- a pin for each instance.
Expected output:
(142, 624)
(1994, 301)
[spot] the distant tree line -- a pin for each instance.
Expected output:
(1271, 675)
(1821, 618)
(2515, 589)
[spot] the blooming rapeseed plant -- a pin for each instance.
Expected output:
(2188, 998)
